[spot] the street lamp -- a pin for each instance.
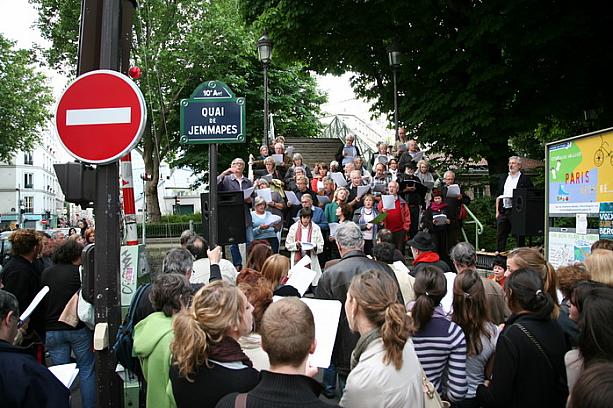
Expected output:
(394, 60)
(264, 55)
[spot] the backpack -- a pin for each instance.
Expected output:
(125, 335)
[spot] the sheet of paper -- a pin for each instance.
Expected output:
(363, 190)
(300, 278)
(380, 188)
(439, 219)
(323, 200)
(66, 373)
(278, 158)
(289, 150)
(453, 190)
(447, 301)
(326, 314)
(291, 197)
(333, 227)
(581, 225)
(379, 218)
(265, 193)
(247, 193)
(272, 219)
(35, 302)
(339, 179)
(389, 202)
(306, 260)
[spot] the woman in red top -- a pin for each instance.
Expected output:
(398, 220)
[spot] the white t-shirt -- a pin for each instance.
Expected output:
(510, 184)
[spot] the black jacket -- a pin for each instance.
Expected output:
(522, 377)
(334, 284)
(26, 383)
(281, 391)
(63, 281)
(523, 182)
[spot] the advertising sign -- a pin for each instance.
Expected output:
(566, 248)
(580, 173)
(605, 221)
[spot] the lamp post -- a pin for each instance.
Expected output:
(394, 61)
(264, 55)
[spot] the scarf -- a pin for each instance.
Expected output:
(298, 254)
(228, 350)
(427, 257)
(362, 345)
(437, 207)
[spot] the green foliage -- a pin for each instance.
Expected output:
(197, 217)
(484, 209)
(179, 45)
(476, 77)
(26, 99)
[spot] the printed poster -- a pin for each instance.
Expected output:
(565, 248)
(581, 174)
(605, 221)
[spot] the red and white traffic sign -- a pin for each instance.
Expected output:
(101, 116)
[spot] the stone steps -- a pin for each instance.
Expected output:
(314, 150)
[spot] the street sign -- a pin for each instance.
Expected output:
(100, 116)
(213, 114)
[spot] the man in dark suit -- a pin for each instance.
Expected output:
(504, 201)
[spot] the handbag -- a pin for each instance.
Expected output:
(85, 311)
(431, 397)
(69, 314)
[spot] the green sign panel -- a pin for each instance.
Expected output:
(213, 114)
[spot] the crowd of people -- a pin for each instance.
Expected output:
(412, 329)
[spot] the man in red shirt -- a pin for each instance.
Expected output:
(398, 219)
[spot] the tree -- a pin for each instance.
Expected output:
(178, 45)
(477, 78)
(26, 98)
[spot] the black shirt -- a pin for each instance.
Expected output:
(64, 281)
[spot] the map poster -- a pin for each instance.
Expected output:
(565, 248)
(580, 174)
(605, 221)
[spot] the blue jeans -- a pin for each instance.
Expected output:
(237, 259)
(60, 343)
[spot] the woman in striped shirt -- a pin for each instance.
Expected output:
(440, 343)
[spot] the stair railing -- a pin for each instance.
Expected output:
(478, 227)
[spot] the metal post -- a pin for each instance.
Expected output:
(213, 195)
(394, 71)
(265, 136)
(108, 240)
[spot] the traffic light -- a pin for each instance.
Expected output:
(78, 183)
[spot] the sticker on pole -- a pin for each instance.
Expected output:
(100, 116)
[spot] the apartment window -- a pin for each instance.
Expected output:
(479, 191)
(28, 158)
(27, 180)
(28, 203)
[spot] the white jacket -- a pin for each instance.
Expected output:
(317, 239)
(373, 384)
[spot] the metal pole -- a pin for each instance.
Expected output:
(144, 210)
(265, 137)
(213, 238)
(108, 240)
(394, 70)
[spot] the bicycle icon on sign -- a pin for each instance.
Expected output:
(602, 153)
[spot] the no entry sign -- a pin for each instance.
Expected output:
(100, 117)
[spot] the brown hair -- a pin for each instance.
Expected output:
(430, 288)
(470, 309)
(169, 293)
(248, 276)
(602, 244)
(594, 387)
(259, 294)
(288, 330)
(275, 269)
(23, 241)
(88, 233)
(530, 258)
(569, 276)
(376, 294)
(599, 265)
(259, 250)
(215, 308)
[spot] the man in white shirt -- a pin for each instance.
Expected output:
(504, 202)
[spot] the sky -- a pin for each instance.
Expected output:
(17, 23)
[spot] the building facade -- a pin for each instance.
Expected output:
(30, 195)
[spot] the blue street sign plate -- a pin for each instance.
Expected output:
(213, 115)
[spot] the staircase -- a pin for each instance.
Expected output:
(314, 150)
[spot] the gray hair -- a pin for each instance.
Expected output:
(517, 159)
(186, 236)
(449, 172)
(464, 254)
(8, 303)
(297, 156)
(349, 236)
(178, 260)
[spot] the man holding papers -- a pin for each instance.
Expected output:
(232, 179)
(398, 219)
(454, 197)
(26, 383)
